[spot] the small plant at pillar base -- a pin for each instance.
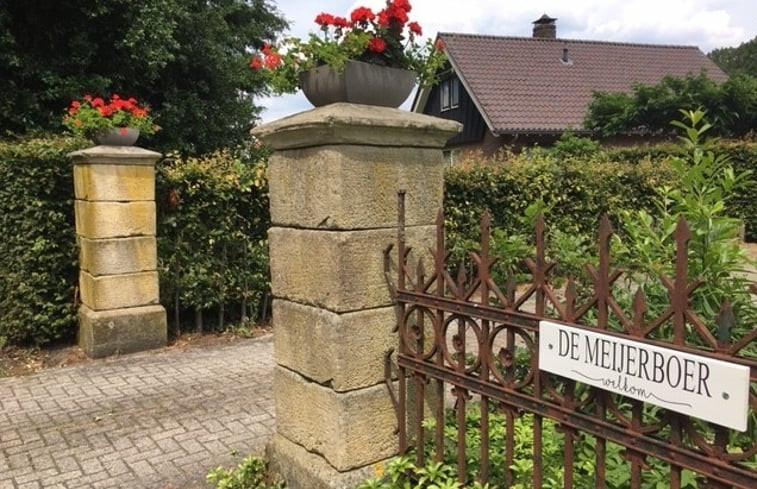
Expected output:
(385, 38)
(251, 473)
(88, 115)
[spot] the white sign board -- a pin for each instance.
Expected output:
(712, 390)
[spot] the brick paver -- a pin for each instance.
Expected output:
(139, 421)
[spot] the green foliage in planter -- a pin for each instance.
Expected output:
(251, 473)
(212, 223)
(38, 271)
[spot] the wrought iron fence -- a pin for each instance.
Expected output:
(463, 339)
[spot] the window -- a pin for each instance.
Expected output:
(449, 91)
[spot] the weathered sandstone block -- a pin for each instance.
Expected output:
(340, 271)
(349, 429)
(118, 255)
(118, 291)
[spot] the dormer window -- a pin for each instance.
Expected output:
(449, 91)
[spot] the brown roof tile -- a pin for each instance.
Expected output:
(522, 84)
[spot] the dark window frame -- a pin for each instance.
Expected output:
(449, 94)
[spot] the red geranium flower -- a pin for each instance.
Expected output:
(415, 28)
(402, 5)
(439, 45)
(341, 22)
(272, 61)
(324, 20)
(362, 14)
(377, 45)
(266, 48)
(256, 63)
(390, 14)
(383, 18)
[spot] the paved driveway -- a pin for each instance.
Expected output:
(137, 421)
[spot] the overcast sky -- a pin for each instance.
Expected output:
(708, 24)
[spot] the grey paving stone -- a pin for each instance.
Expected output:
(149, 420)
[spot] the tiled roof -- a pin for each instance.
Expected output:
(522, 84)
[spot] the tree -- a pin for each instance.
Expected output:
(186, 58)
(741, 59)
(731, 105)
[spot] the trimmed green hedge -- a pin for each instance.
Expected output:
(212, 223)
(213, 220)
(576, 191)
(213, 217)
(39, 271)
(742, 157)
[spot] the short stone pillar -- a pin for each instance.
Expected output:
(115, 227)
(334, 177)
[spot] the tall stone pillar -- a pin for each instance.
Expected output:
(115, 227)
(334, 177)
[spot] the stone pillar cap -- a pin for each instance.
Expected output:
(115, 155)
(344, 123)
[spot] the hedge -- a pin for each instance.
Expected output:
(212, 223)
(575, 191)
(213, 220)
(213, 217)
(742, 156)
(39, 271)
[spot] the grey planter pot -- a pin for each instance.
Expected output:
(117, 136)
(359, 83)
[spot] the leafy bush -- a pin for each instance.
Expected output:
(401, 473)
(251, 473)
(574, 192)
(646, 246)
(212, 221)
(568, 144)
(731, 106)
(39, 272)
(741, 155)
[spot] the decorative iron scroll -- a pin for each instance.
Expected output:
(465, 331)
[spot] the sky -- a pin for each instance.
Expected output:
(708, 24)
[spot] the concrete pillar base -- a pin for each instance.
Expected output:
(306, 470)
(103, 333)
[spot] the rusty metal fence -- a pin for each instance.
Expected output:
(459, 338)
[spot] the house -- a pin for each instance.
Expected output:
(518, 91)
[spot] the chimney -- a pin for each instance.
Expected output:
(545, 27)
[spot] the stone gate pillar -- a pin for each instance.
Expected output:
(115, 228)
(334, 177)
